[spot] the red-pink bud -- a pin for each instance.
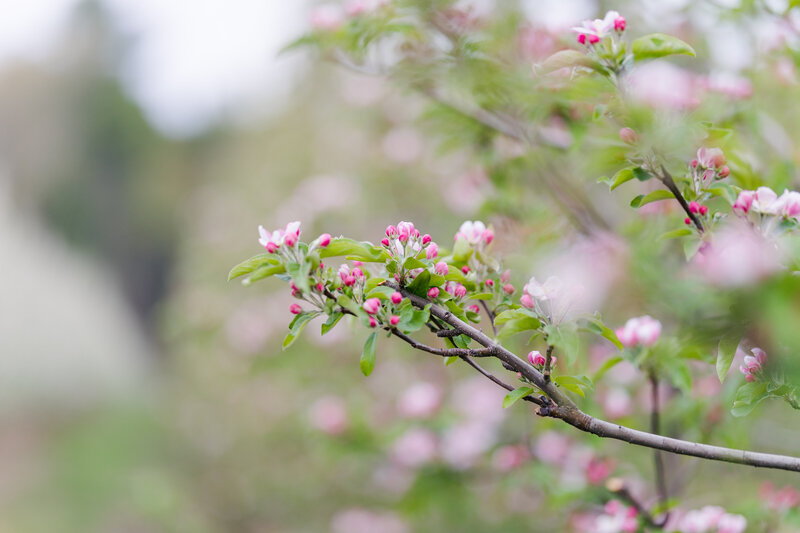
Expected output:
(687, 221)
(724, 172)
(582, 38)
(506, 276)
(320, 287)
(372, 305)
(358, 273)
(295, 309)
(324, 239)
(391, 231)
(594, 39)
(718, 160)
(489, 283)
(526, 301)
(349, 280)
(694, 207)
(474, 308)
(508, 288)
(465, 270)
(441, 268)
(627, 135)
(433, 292)
(397, 297)
(290, 239)
(619, 24)
(394, 320)
(272, 247)
(426, 239)
(488, 236)
(385, 242)
(432, 250)
(703, 210)
(372, 322)
(694, 163)
(460, 291)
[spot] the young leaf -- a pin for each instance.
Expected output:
(658, 45)
(296, 327)
(331, 322)
(354, 250)
(420, 284)
(566, 339)
(575, 384)
(725, 352)
(748, 397)
(518, 325)
(515, 395)
(654, 196)
(623, 176)
(608, 365)
(264, 272)
(255, 262)
(368, 355)
(674, 234)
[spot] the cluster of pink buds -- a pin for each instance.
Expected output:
(538, 360)
(709, 166)
(765, 201)
(404, 241)
(455, 289)
(377, 313)
(352, 276)
(590, 32)
(753, 364)
(639, 331)
(273, 241)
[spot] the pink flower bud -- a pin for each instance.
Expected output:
(358, 273)
(290, 239)
(718, 160)
(582, 38)
(372, 322)
(506, 276)
(324, 239)
(415, 233)
(508, 288)
(687, 221)
(724, 172)
(295, 309)
(394, 320)
(536, 358)
(391, 231)
(694, 207)
(694, 163)
(489, 283)
(743, 202)
(460, 291)
(488, 236)
(627, 135)
(703, 210)
(619, 24)
(465, 270)
(474, 308)
(385, 242)
(397, 298)
(358, 264)
(426, 239)
(372, 305)
(349, 280)
(526, 301)
(594, 39)
(441, 268)
(553, 360)
(433, 292)
(271, 247)
(320, 287)
(432, 250)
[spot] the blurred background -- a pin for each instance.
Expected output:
(141, 143)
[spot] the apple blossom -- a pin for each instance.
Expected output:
(753, 364)
(324, 240)
(372, 305)
(394, 320)
(432, 251)
(396, 297)
(475, 233)
(536, 358)
(421, 400)
(627, 135)
(596, 29)
(433, 292)
(295, 309)
(327, 17)
(441, 268)
(640, 331)
(508, 289)
(788, 204)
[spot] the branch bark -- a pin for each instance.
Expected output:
(564, 409)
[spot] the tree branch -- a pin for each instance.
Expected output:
(563, 408)
(669, 183)
(658, 460)
(444, 352)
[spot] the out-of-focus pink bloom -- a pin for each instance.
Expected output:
(780, 500)
(372, 305)
(738, 256)
(536, 358)
(357, 520)
(764, 201)
(616, 403)
(507, 458)
(324, 239)
(526, 301)
(743, 202)
(627, 135)
(505, 277)
(441, 268)
(619, 23)
(711, 519)
(397, 297)
(640, 331)
(617, 519)
(731, 523)
(295, 309)
(508, 289)
(432, 250)
(414, 448)
(327, 17)
(403, 145)
(465, 443)
(329, 415)
(433, 292)
(710, 157)
(394, 320)
(536, 43)
(357, 7)
(788, 204)
(473, 232)
(662, 85)
(421, 400)
(489, 282)
(478, 400)
(552, 447)
(598, 470)
(599, 28)
(731, 86)
(753, 364)
(466, 191)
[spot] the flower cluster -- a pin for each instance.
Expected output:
(639, 331)
(331, 17)
(764, 201)
(273, 241)
(475, 233)
(404, 241)
(590, 32)
(708, 167)
(617, 518)
(753, 364)
(710, 519)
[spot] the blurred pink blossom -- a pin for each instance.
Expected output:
(662, 85)
(414, 448)
(507, 458)
(616, 403)
(329, 415)
(421, 400)
(464, 444)
(552, 447)
(403, 145)
(327, 17)
(356, 520)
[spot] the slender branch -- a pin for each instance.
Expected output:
(669, 183)
(444, 352)
(563, 408)
(490, 315)
(547, 362)
(658, 459)
(617, 486)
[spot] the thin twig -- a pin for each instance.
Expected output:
(658, 459)
(669, 183)
(547, 362)
(444, 352)
(490, 315)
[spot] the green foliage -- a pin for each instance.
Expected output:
(657, 45)
(517, 394)
(368, 354)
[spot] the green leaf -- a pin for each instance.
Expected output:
(415, 320)
(566, 339)
(517, 394)
(296, 327)
(606, 366)
(575, 384)
(674, 234)
(623, 176)
(300, 273)
(568, 59)
(655, 196)
(641, 174)
(511, 314)
(658, 45)
(368, 355)
(725, 352)
(264, 272)
(420, 284)
(353, 250)
(481, 296)
(596, 325)
(518, 325)
(255, 262)
(450, 360)
(412, 263)
(331, 322)
(461, 251)
(383, 292)
(748, 397)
